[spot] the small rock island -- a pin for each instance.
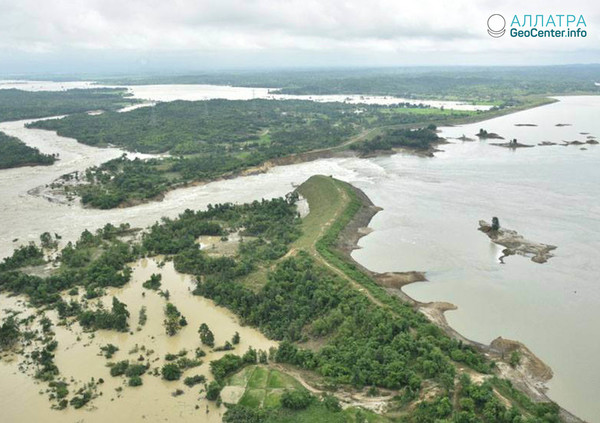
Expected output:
(515, 243)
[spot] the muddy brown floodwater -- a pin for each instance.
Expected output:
(20, 397)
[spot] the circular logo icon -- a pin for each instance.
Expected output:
(496, 25)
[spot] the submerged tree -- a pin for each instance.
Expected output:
(9, 333)
(206, 335)
(495, 223)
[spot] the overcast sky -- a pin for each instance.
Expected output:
(184, 35)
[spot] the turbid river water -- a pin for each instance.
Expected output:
(77, 357)
(431, 208)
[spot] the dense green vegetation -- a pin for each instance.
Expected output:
(18, 104)
(418, 139)
(102, 319)
(217, 127)
(171, 371)
(212, 139)
(366, 346)
(26, 255)
(109, 350)
(478, 83)
(15, 153)
(95, 261)
(9, 333)
(194, 380)
(206, 336)
(154, 282)
(133, 372)
(174, 320)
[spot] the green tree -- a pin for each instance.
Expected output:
(213, 390)
(206, 335)
(171, 371)
(297, 399)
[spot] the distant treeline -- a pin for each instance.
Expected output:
(17, 104)
(480, 83)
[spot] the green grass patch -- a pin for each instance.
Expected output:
(278, 380)
(318, 413)
(253, 398)
(240, 378)
(258, 378)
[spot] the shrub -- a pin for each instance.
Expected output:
(213, 390)
(135, 381)
(297, 399)
(194, 380)
(171, 371)
(119, 368)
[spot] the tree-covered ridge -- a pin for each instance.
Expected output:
(17, 104)
(15, 153)
(269, 128)
(217, 138)
(418, 139)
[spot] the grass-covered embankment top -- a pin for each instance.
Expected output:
(18, 104)
(15, 153)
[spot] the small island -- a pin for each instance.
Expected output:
(515, 243)
(513, 144)
(484, 135)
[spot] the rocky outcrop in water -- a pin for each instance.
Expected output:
(512, 144)
(516, 244)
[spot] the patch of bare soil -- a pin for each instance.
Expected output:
(399, 279)
(348, 397)
(222, 245)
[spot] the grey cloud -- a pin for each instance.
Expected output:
(268, 27)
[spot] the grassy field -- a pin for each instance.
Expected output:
(263, 387)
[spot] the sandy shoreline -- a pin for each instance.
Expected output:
(530, 376)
